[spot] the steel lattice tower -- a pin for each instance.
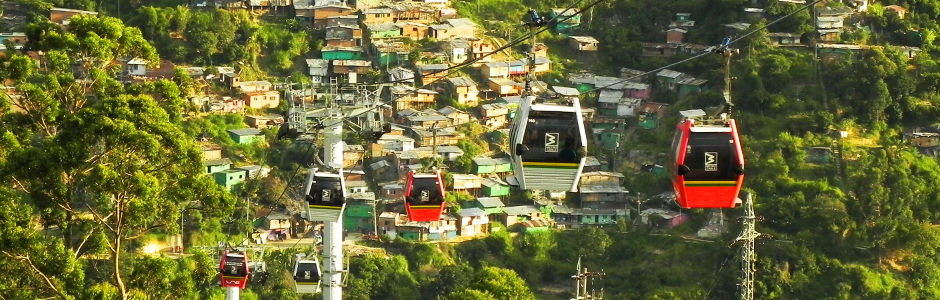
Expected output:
(748, 257)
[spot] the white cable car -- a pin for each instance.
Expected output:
(306, 275)
(326, 195)
(548, 145)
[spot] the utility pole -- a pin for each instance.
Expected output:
(583, 280)
(748, 256)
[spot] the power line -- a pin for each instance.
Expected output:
(807, 6)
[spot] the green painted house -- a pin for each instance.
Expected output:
(360, 212)
(484, 165)
(334, 52)
(383, 30)
(217, 165)
(245, 135)
(567, 19)
(691, 85)
(493, 187)
(491, 205)
(588, 216)
(229, 178)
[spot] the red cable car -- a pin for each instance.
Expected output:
(234, 269)
(424, 197)
(708, 166)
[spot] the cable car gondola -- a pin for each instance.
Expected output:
(234, 269)
(548, 145)
(306, 275)
(424, 197)
(708, 164)
(326, 195)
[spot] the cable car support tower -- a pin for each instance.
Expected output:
(748, 258)
(333, 272)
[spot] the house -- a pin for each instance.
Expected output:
(277, 225)
(414, 12)
(229, 77)
(753, 13)
(303, 10)
(394, 142)
(449, 153)
(494, 114)
(636, 90)
(389, 52)
(255, 171)
(467, 181)
(593, 216)
(229, 178)
(211, 152)
(135, 67)
(413, 30)
(517, 214)
(674, 35)
(217, 165)
(454, 28)
(662, 218)
(649, 113)
(542, 65)
(783, 39)
(245, 135)
(343, 35)
(321, 13)
(385, 169)
(393, 191)
(18, 39)
(431, 73)
(383, 30)
(263, 99)
(494, 187)
(668, 79)
(490, 205)
(691, 85)
(421, 120)
(518, 68)
(359, 214)
(351, 68)
(583, 43)
(438, 137)
(233, 105)
(63, 16)
(348, 20)
(735, 29)
(565, 19)
(456, 116)
(377, 15)
(318, 69)
(632, 75)
(659, 49)
(255, 86)
(401, 75)
(480, 50)
(262, 122)
(602, 189)
(407, 97)
(496, 69)
(458, 50)
(465, 90)
(486, 165)
(341, 52)
(900, 11)
(682, 20)
(504, 86)
(356, 186)
(473, 221)
(587, 82)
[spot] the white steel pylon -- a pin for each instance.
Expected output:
(748, 258)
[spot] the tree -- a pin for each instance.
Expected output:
(502, 284)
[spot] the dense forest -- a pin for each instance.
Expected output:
(92, 169)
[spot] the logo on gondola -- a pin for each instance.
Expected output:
(425, 196)
(551, 142)
(325, 194)
(711, 161)
(232, 282)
